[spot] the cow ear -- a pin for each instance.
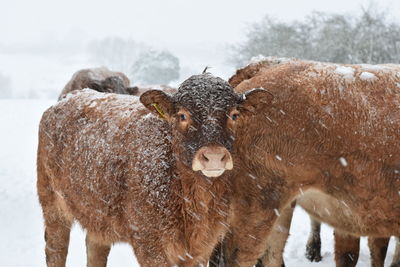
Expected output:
(255, 99)
(159, 103)
(132, 90)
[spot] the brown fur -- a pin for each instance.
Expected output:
(125, 175)
(92, 78)
(326, 130)
(255, 69)
(164, 88)
(115, 202)
(335, 213)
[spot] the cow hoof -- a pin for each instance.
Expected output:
(313, 252)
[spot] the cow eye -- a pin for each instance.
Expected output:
(182, 117)
(234, 116)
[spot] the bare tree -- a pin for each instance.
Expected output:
(116, 53)
(366, 38)
(155, 67)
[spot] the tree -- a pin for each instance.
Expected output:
(116, 53)
(5, 86)
(367, 38)
(155, 67)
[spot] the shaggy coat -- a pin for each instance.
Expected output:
(346, 245)
(328, 131)
(101, 80)
(127, 175)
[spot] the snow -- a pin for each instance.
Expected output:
(346, 72)
(367, 76)
(270, 59)
(21, 224)
(369, 67)
(343, 161)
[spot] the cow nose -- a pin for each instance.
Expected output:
(211, 157)
(212, 161)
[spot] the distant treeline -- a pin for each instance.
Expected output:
(143, 64)
(340, 38)
(5, 86)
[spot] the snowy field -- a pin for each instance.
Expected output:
(21, 224)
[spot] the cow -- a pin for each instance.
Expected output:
(347, 246)
(155, 174)
(378, 246)
(328, 131)
(99, 79)
(165, 88)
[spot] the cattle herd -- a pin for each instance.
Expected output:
(210, 173)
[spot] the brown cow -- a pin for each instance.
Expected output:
(157, 183)
(101, 80)
(378, 246)
(347, 246)
(329, 131)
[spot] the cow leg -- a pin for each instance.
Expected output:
(150, 254)
(57, 230)
(96, 252)
(378, 248)
(313, 247)
(396, 256)
(217, 257)
(346, 249)
(248, 239)
(277, 238)
(57, 224)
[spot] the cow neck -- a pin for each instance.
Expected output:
(198, 189)
(276, 147)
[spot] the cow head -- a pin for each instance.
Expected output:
(202, 114)
(113, 84)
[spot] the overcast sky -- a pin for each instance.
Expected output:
(37, 36)
(158, 22)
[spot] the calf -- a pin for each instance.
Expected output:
(158, 182)
(101, 80)
(328, 131)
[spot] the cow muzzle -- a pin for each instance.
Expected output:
(212, 161)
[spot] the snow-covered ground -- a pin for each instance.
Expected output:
(21, 225)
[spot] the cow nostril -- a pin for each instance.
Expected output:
(223, 158)
(204, 157)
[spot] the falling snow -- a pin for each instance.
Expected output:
(277, 212)
(343, 161)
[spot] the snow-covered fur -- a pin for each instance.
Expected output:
(99, 79)
(126, 174)
(330, 131)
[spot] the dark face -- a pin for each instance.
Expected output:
(113, 84)
(202, 115)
